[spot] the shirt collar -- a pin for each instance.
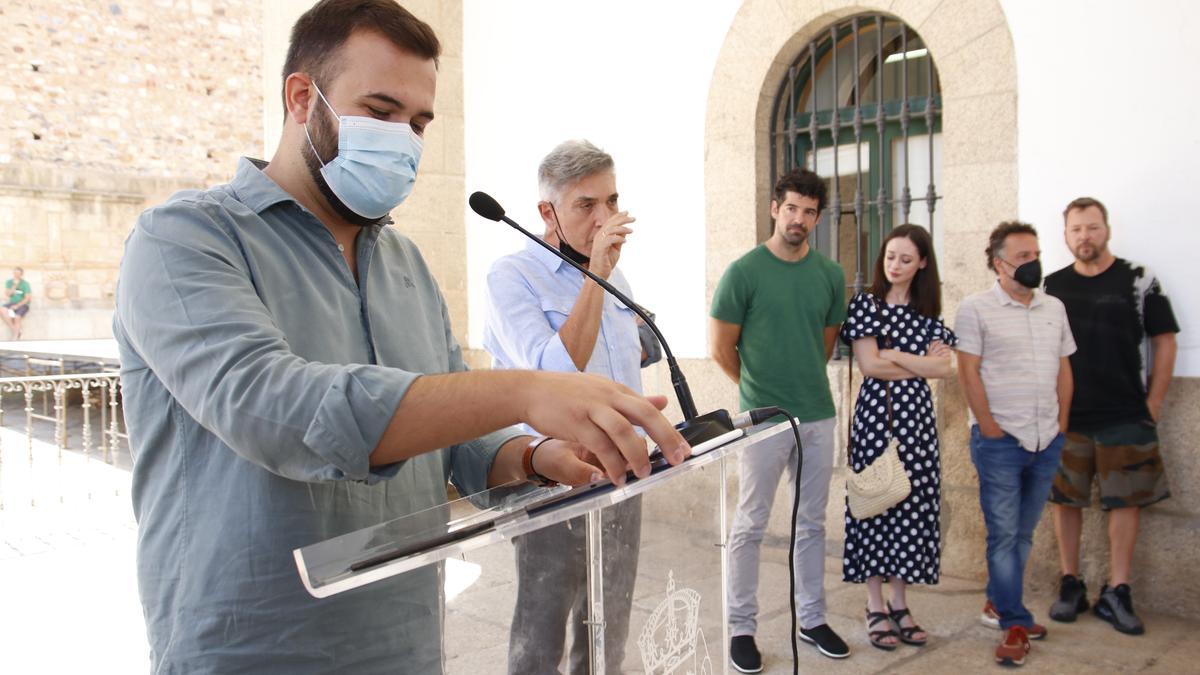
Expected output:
(1005, 299)
(546, 258)
(256, 190)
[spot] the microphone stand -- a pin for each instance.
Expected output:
(694, 428)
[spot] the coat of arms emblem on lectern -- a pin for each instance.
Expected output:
(672, 640)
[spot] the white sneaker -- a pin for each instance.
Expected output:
(990, 617)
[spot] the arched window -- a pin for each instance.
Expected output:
(857, 106)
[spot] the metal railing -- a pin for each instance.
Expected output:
(100, 390)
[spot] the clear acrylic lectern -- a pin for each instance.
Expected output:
(650, 595)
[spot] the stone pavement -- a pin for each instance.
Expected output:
(68, 595)
(68, 590)
(959, 643)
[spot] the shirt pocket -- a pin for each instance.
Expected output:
(556, 310)
(623, 324)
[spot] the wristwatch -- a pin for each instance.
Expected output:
(532, 475)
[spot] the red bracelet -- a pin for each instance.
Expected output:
(531, 474)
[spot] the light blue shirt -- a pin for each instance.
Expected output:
(530, 295)
(258, 376)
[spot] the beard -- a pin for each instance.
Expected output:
(1089, 252)
(325, 140)
(796, 239)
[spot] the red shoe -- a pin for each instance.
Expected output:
(1014, 647)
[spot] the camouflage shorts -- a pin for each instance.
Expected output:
(1125, 459)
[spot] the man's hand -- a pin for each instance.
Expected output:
(1155, 406)
(606, 246)
(567, 462)
(600, 415)
(990, 430)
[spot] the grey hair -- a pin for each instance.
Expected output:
(569, 163)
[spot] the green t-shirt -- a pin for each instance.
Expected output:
(783, 309)
(19, 294)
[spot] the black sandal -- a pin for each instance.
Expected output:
(906, 634)
(876, 636)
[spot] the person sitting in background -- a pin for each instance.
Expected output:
(17, 294)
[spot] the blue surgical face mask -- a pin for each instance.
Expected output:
(376, 163)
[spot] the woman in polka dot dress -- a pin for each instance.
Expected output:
(899, 342)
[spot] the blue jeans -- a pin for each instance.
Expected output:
(1013, 486)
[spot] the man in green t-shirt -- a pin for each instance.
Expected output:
(16, 301)
(775, 317)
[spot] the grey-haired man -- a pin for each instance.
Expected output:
(543, 314)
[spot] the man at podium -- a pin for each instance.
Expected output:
(290, 375)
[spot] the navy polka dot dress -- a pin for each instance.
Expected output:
(904, 541)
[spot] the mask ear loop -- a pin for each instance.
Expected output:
(335, 116)
(557, 227)
(326, 101)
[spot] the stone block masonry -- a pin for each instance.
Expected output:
(108, 108)
(146, 87)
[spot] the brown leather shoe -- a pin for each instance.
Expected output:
(1013, 648)
(1036, 632)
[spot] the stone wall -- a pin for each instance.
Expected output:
(435, 215)
(108, 108)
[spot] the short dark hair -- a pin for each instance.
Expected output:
(999, 237)
(321, 31)
(1085, 203)
(804, 183)
(925, 293)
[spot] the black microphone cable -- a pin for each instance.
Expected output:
(758, 416)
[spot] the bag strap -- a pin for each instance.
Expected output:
(849, 402)
(887, 344)
(850, 386)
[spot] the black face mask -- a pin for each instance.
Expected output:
(564, 247)
(1029, 274)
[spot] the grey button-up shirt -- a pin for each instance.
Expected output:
(258, 376)
(1020, 350)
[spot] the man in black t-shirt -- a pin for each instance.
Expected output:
(1113, 305)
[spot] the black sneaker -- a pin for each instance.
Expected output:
(743, 654)
(826, 641)
(1116, 607)
(1072, 599)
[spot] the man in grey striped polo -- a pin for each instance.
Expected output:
(1014, 341)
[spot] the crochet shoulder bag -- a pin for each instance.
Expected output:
(883, 483)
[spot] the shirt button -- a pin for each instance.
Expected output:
(341, 248)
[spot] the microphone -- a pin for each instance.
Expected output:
(694, 428)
